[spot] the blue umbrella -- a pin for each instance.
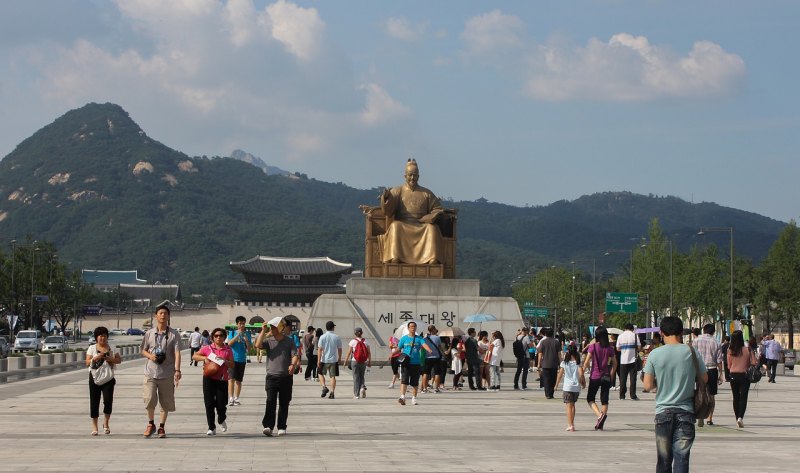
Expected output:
(480, 318)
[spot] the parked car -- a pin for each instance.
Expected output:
(186, 334)
(5, 347)
(135, 331)
(55, 342)
(116, 332)
(28, 340)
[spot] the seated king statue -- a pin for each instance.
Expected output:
(412, 236)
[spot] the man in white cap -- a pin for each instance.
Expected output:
(282, 360)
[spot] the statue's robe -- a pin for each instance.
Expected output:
(407, 240)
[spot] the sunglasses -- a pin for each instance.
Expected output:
(218, 335)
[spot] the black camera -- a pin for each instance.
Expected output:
(160, 357)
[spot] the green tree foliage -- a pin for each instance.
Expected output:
(782, 274)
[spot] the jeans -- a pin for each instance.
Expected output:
(358, 376)
(494, 376)
(522, 369)
(215, 398)
(279, 394)
(549, 381)
(740, 387)
(674, 439)
(627, 372)
(473, 370)
(772, 366)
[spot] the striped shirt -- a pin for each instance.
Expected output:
(708, 347)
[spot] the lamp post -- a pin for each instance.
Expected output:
(665, 242)
(594, 285)
(705, 230)
(33, 270)
(13, 293)
(630, 267)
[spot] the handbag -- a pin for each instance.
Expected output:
(102, 374)
(754, 373)
(211, 370)
(702, 397)
(403, 359)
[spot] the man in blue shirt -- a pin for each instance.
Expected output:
(329, 352)
(410, 346)
(240, 342)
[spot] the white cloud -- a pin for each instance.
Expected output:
(629, 68)
(493, 32)
(400, 28)
(381, 107)
(299, 29)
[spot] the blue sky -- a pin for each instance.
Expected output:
(520, 102)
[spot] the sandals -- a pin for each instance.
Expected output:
(106, 430)
(94, 433)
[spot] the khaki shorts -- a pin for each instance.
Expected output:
(159, 391)
(329, 369)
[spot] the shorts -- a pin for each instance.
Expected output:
(433, 367)
(395, 366)
(570, 397)
(594, 385)
(237, 373)
(159, 391)
(713, 381)
(410, 375)
(329, 369)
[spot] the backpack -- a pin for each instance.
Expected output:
(360, 353)
(519, 348)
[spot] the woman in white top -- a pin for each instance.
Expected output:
(456, 364)
(498, 344)
(97, 354)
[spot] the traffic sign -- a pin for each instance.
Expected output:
(42, 298)
(627, 302)
(530, 310)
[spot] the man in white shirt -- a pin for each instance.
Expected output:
(628, 346)
(195, 340)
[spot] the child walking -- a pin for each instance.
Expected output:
(572, 374)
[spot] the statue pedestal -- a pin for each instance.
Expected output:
(380, 305)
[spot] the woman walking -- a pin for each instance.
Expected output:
(96, 355)
(573, 378)
(599, 355)
(740, 357)
(497, 346)
(217, 359)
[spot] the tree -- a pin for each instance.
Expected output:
(783, 276)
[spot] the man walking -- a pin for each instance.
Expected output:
(308, 349)
(671, 369)
(162, 372)
(432, 371)
(329, 352)
(772, 350)
(240, 342)
(409, 347)
(358, 349)
(522, 344)
(710, 353)
(473, 360)
(282, 361)
(549, 357)
(195, 340)
(628, 347)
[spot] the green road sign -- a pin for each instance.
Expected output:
(627, 302)
(530, 310)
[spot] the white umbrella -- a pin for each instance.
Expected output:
(451, 332)
(614, 331)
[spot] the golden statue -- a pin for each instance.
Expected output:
(412, 237)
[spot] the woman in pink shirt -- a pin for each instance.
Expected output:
(740, 358)
(215, 382)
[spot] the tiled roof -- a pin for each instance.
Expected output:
(244, 288)
(299, 266)
(154, 292)
(100, 277)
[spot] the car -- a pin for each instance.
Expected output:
(134, 331)
(116, 332)
(28, 340)
(5, 347)
(186, 334)
(55, 342)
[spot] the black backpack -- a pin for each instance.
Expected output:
(519, 348)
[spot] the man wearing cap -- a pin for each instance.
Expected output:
(329, 352)
(282, 361)
(358, 348)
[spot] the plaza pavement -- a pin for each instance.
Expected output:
(45, 427)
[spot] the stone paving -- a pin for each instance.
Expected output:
(46, 427)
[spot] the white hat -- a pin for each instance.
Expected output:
(275, 322)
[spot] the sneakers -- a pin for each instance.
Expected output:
(401, 401)
(700, 422)
(162, 433)
(634, 398)
(211, 432)
(330, 396)
(325, 391)
(224, 426)
(739, 423)
(235, 401)
(356, 397)
(149, 430)
(281, 432)
(230, 401)
(267, 431)
(363, 393)
(390, 386)
(414, 400)
(437, 390)
(570, 428)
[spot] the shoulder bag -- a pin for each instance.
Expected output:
(101, 372)
(405, 360)
(702, 397)
(754, 373)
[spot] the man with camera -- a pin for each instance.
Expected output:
(162, 371)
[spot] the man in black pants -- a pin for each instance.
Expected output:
(473, 360)
(549, 356)
(523, 361)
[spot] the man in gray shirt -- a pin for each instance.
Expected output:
(549, 353)
(162, 370)
(282, 360)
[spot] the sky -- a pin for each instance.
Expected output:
(519, 102)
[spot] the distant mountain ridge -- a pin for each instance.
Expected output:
(111, 197)
(258, 162)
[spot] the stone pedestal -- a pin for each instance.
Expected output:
(380, 305)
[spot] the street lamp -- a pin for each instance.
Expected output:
(630, 268)
(665, 242)
(594, 279)
(705, 230)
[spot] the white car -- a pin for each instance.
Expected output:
(116, 332)
(186, 334)
(55, 342)
(28, 340)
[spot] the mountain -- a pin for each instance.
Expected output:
(111, 197)
(258, 162)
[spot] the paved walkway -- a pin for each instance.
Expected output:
(46, 427)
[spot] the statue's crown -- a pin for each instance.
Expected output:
(411, 163)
